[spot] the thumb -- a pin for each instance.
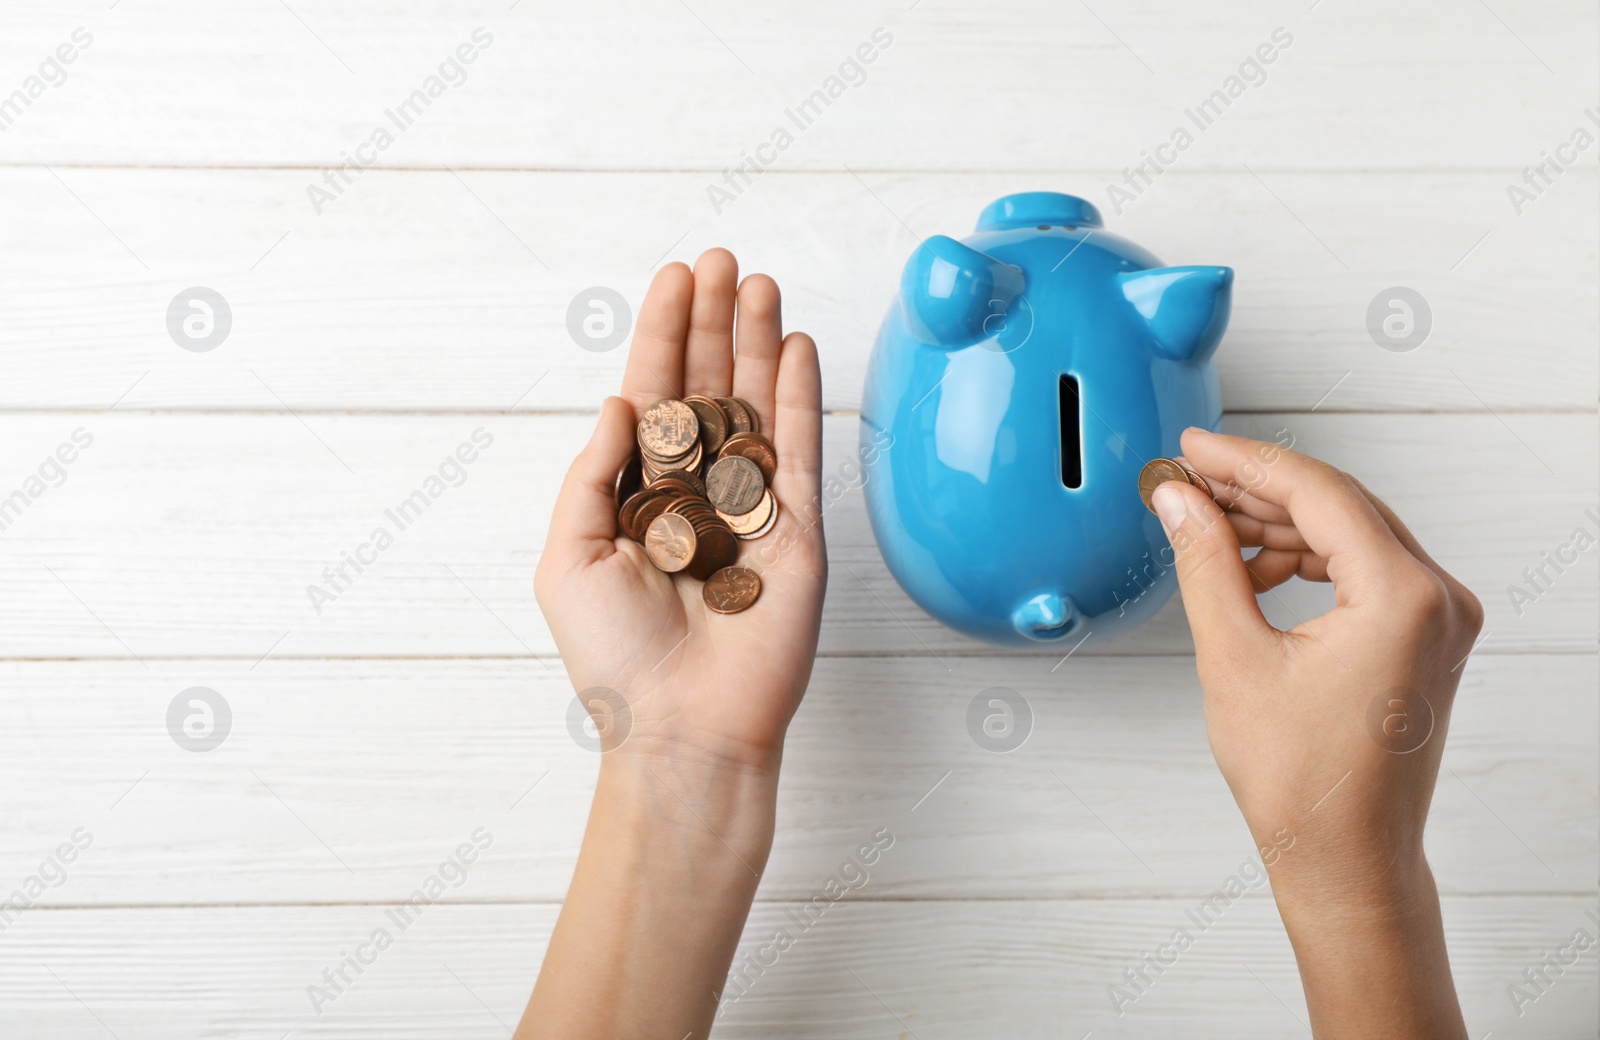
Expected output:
(1217, 594)
(585, 518)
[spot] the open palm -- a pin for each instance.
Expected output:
(663, 667)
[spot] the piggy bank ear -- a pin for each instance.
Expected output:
(1186, 307)
(953, 295)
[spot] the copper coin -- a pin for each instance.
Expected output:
(628, 515)
(772, 521)
(713, 421)
(647, 512)
(669, 429)
(741, 418)
(1194, 478)
(731, 589)
(1155, 473)
(688, 480)
(745, 524)
(750, 410)
(629, 479)
(670, 542)
(757, 449)
(734, 485)
(716, 548)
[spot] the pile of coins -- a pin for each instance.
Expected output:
(700, 483)
(1158, 471)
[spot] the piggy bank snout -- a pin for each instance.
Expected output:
(1046, 615)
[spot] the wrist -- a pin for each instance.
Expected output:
(716, 810)
(1338, 875)
(1370, 949)
(1360, 894)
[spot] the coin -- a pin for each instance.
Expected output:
(750, 411)
(647, 513)
(628, 515)
(629, 479)
(697, 484)
(731, 589)
(670, 542)
(1155, 473)
(772, 521)
(757, 449)
(747, 524)
(734, 484)
(741, 417)
(668, 430)
(713, 422)
(715, 548)
(1194, 478)
(681, 478)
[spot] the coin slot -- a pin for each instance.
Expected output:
(1071, 434)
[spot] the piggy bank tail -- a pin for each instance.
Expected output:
(1046, 616)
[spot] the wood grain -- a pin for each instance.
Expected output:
(622, 84)
(441, 291)
(202, 535)
(929, 970)
(350, 781)
(374, 332)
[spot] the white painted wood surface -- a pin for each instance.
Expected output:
(392, 763)
(408, 294)
(203, 556)
(428, 299)
(936, 970)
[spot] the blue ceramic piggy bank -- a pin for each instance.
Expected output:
(1020, 382)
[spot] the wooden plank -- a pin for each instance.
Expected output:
(348, 781)
(161, 544)
(865, 970)
(421, 291)
(623, 84)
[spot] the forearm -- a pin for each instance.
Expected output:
(1372, 955)
(665, 878)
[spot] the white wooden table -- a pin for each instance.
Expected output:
(374, 331)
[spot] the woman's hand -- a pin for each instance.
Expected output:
(691, 705)
(693, 681)
(1330, 733)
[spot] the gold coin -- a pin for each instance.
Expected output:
(1155, 473)
(668, 430)
(746, 524)
(670, 542)
(734, 485)
(731, 589)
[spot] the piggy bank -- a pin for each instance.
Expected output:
(1019, 383)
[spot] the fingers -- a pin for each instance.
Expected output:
(655, 359)
(797, 430)
(1270, 536)
(584, 524)
(708, 358)
(758, 339)
(1217, 591)
(1338, 523)
(1270, 568)
(1401, 531)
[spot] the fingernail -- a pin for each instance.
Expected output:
(1170, 509)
